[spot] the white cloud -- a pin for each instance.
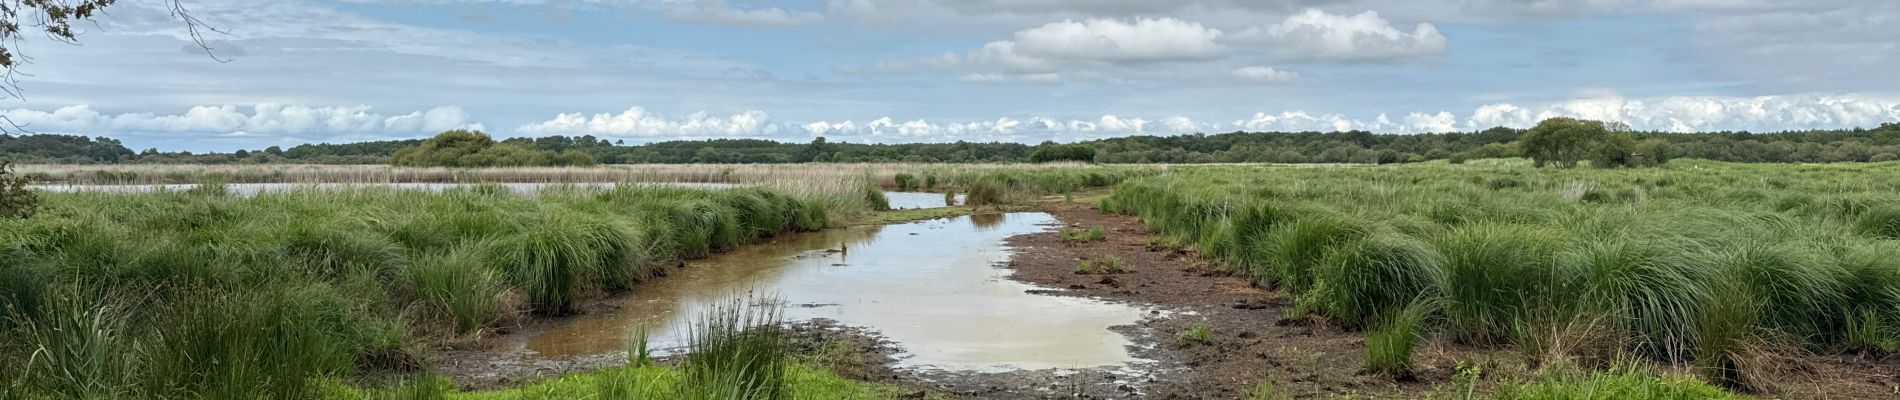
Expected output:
(718, 12)
(1431, 123)
(1113, 40)
(1315, 35)
(637, 121)
(1302, 121)
(1057, 51)
(1265, 74)
(1180, 124)
(1705, 113)
(266, 118)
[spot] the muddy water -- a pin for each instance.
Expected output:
(931, 287)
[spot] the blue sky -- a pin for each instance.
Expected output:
(303, 71)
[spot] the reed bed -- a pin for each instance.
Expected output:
(1703, 264)
(885, 174)
(845, 189)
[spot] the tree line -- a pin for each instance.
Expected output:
(1843, 145)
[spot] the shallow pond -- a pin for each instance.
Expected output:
(931, 287)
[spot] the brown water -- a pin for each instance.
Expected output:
(931, 287)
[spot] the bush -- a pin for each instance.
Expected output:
(905, 182)
(469, 149)
(16, 201)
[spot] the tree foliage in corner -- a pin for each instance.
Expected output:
(1564, 142)
(55, 18)
(16, 201)
(464, 148)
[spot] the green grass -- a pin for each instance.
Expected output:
(1389, 345)
(203, 294)
(918, 214)
(1110, 264)
(645, 382)
(1695, 261)
(1200, 333)
(736, 351)
(1617, 384)
(1095, 234)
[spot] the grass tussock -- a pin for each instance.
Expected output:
(197, 294)
(1696, 263)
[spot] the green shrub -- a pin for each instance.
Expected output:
(906, 182)
(16, 201)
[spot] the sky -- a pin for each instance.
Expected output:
(286, 72)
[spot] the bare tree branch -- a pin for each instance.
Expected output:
(54, 19)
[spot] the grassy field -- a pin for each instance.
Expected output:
(203, 294)
(1714, 266)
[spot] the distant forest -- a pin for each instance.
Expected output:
(1878, 144)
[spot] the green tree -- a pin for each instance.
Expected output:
(1563, 141)
(1617, 149)
(1050, 152)
(55, 18)
(463, 148)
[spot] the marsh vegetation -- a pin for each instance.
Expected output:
(1704, 265)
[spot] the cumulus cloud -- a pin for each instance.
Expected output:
(1265, 74)
(1315, 35)
(1705, 113)
(1140, 40)
(266, 118)
(1433, 123)
(1302, 121)
(718, 12)
(1680, 113)
(1003, 129)
(1054, 51)
(637, 121)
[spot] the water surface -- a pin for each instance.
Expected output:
(904, 200)
(931, 287)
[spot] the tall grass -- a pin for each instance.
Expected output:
(736, 351)
(1697, 262)
(198, 294)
